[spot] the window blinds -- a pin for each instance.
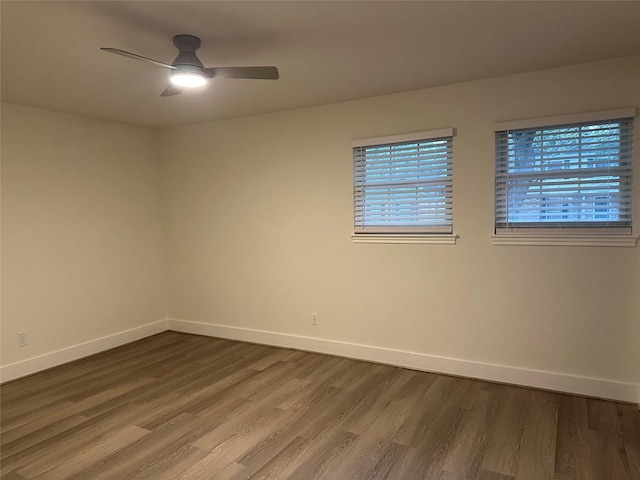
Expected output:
(403, 186)
(571, 175)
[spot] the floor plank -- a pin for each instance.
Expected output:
(537, 452)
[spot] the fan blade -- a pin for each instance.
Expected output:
(266, 73)
(171, 90)
(137, 57)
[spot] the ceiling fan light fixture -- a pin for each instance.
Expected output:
(187, 71)
(188, 78)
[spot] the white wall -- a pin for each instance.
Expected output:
(82, 236)
(259, 217)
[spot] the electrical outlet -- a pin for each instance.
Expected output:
(23, 339)
(314, 319)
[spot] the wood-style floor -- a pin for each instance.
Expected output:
(177, 406)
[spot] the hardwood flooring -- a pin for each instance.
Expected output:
(185, 407)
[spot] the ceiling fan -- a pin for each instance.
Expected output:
(187, 70)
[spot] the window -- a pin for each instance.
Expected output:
(565, 175)
(403, 184)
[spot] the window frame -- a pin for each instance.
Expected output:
(442, 234)
(557, 234)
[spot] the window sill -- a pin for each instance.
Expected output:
(429, 238)
(566, 240)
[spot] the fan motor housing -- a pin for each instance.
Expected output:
(187, 46)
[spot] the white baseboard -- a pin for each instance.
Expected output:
(52, 359)
(559, 382)
(591, 387)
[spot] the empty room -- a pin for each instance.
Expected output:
(320, 240)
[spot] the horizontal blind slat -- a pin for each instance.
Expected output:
(569, 175)
(407, 186)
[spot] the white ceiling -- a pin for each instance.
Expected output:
(326, 51)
